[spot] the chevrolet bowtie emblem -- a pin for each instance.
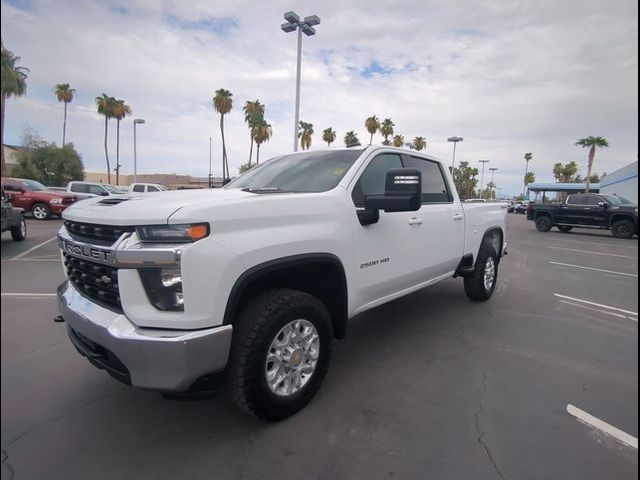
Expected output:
(104, 279)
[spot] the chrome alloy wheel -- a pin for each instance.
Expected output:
(292, 357)
(40, 212)
(489, 273)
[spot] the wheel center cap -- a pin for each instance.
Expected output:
(296, 358)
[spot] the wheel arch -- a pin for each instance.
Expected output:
(319, 274)
(622, 216)
(495, 236)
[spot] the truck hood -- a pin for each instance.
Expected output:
(149, 209)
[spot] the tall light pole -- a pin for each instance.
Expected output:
(455, 140)
(482, 175)
(303, 26)
(493, 172)
(137, 121)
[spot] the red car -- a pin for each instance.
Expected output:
(36, 198)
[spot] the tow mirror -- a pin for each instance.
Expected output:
(402, 192)
(603, 204)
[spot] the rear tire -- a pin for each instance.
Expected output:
(564, 228)
(623, 229)
(271, 375)
(480, 284)
(19, 232)
(40, 211)
(543, 223)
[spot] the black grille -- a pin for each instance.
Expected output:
(95, 281)
(104, 234)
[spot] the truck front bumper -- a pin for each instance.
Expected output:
(157, 359)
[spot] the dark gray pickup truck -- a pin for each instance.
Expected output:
(587, 210)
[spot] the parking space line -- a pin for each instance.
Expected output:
(593, 243)
(18, 257)
(27, 295)
(622, 310)
(604, 427)
(613, 314)
(592, 253)
(594, 269)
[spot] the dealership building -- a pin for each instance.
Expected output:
(622, 182)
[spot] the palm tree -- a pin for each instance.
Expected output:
(398, 140)
(306, 130)
(222, 103)
(592, 143)
(419, 143)
(329, 136)
(64, 94)
(120, 110)
(386, 129)
(527, 158)
(105, 105)
(529, 177)
(372, 124)
(253, 111)
(351, 138)
(261, 132)
(14, 84)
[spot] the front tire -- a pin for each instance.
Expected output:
(19, 232)
(280, 353)
(623, 229)
(543, 223)
(40, 211)
(480, 284)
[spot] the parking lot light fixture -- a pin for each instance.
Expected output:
(482, 175)
(303, 26)
(137, 121)
(455, 140)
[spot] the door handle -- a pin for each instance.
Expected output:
(415, 221)
(458, 216)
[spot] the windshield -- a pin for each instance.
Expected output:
(617, 200)
(111, 189)
(302, 172)
(33, 186)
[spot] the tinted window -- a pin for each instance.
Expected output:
(10, 187)
(151, 188)
(138, 188)
(577, 200)
(372, 180)
(594, 200)
(78, 188)
(434, 187)
(96, 190)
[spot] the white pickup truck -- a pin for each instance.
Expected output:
(251, 283)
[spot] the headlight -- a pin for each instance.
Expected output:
(55, 201)
(173, 233)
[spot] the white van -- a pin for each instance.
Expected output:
(92, 189)
(146, 187)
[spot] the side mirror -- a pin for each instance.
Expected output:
(402, 192)
(9, 197)
(104, 194)
(603, 204)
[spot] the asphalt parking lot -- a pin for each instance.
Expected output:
(428, 386)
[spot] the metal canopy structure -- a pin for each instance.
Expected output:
(561, 188)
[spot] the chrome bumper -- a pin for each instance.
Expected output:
(166, 360)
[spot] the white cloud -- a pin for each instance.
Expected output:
(511, 77)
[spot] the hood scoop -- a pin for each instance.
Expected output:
(112, 201)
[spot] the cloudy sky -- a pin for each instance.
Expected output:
(510, 76)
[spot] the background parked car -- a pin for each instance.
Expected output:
(146, 187)
(12, 219)
(34, 197)
(93, 189)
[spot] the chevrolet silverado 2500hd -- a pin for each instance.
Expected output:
(254, 281)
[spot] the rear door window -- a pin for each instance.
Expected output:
(138, 188)
(577, 200)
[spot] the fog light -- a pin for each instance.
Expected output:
(163, 287)
(170, 277)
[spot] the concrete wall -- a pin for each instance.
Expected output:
(623, 182)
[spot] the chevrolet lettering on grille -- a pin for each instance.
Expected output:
(86, 252)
